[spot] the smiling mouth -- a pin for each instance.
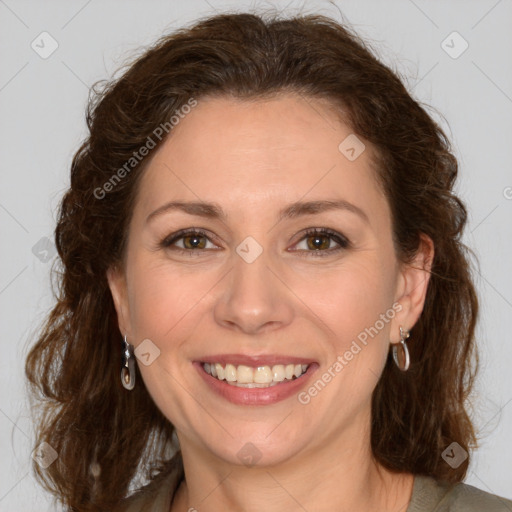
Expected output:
(255, 377)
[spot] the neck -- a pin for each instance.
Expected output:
(315, 480)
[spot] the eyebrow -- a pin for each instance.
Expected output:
(291, 211)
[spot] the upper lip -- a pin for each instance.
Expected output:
(255, 361)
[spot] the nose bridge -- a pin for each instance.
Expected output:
(253, 297)
(251, 274)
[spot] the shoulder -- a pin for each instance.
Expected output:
(156, 496)
(430, 495)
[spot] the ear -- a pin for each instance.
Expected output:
(117, 284)
(412, 288)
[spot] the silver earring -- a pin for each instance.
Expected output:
(128, 368)
(401, 352)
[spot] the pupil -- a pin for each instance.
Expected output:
(317, 242)
(194, 240)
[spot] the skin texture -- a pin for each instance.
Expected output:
(252, 158)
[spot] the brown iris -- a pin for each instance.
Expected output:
(197, 243)
(316, 238)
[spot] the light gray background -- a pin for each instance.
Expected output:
(42, 104)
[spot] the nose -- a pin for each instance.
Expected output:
(254, 298)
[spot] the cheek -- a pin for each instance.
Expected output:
(351, 298)
(166, 306)
(162, 297)
(358, 307)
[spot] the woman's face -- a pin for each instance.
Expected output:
(253, 289)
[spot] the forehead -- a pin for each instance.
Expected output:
(252, 154)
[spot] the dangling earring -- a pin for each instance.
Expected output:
(128, 368)
(401, 352)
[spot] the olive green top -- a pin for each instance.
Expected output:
(428, 495)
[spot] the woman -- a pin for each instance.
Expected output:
(264, 303)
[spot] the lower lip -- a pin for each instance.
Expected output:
(256, 396)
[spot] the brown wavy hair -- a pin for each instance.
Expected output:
(107, 437)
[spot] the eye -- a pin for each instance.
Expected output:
(318, 241)
(192, 238)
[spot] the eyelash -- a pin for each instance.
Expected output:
(337, 237)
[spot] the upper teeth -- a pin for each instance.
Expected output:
(262, 375)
